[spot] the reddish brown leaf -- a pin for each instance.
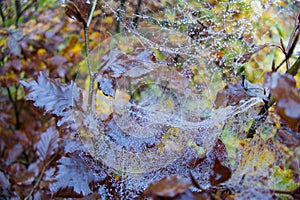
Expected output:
(14, 153)
(288, 137)
(287, 96)
(219, 174)
(218, 152)
(16, 64)
(5, 111)
(118, 63)
(174, 187)
(53, 96)
(67, 176)
(170, 186)
(232, 94)
(78, 10)
(204, 167)
(188, 194)
(134, 64)
(213, 160)
(20, 174)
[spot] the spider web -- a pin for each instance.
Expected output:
(150, 120)
(157, 111)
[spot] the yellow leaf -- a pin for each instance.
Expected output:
(41, 52)
(260, 166)
(97, 12)
(3, 41)
(8, 76)
(108, 20)
(105, 105)
(257, 157)
(95, 36)
(77, 47)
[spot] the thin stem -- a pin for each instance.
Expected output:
(2, 14)
(91, 13)
(291, 45)
(87, 49)
(15, 105)
(295, 68)
(261, 117)
(263, 113)
(91, 73)
(119, 15)
(40, 177)
(28, 6)
(137, 13)
(18, 11)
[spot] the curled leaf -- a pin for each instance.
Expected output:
(287, 96)
(219, 174)
(232, 94)
(78, 10)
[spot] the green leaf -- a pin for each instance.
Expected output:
(283, 180)
(158, 54)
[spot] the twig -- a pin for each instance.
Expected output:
(285, 53)
(91, 74)
(295, 34)
(295, 68)
(119, 15)
(2, 14)
(15, 105)
(28, 6)
(228, 6)
(137, 13)
(40, 176)
(87, 49)
(291, 44)
(20, 11)
(263, 113)
(91, 13)
(261, 117)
